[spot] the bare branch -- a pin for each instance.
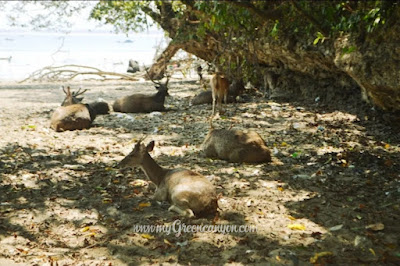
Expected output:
(63, 73)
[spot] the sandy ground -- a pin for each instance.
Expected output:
(330, 196)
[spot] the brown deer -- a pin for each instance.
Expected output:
(142, 103)
(236, 146)
(188, 192)
(100, 107)
(72, 114)
(205, 97)
(219, 88)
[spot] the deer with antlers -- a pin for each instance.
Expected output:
(72, 114)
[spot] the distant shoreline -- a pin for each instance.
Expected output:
(150, 33)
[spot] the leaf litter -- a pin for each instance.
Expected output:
(330, 195)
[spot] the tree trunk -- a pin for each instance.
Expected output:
(158, 68)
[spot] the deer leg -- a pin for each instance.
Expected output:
(213, 102)
(226, 97)
(186, 212)
(220, 103)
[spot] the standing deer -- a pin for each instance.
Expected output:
(219, 88)
(236, 146)
(189, 192)
(72, 114)
(235, 89)
(142, 103)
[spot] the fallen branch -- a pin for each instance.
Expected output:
(67, 72)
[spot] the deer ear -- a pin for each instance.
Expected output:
(150, 146)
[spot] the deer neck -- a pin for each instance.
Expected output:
(153, 171)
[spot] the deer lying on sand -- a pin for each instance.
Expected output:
(142, 103)
(236, 146)
(235, 89)
(219, 88)
(72, 114)
(189, 192)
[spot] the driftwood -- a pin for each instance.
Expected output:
(69, 72)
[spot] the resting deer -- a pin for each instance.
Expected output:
(142, 103)
(236, 146)
(189, 192)
(72, 114)
(219, 88)
(72, 98)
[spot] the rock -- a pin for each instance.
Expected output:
(133, 66)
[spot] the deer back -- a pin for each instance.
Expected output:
(236, 146)
(205, 97)
(72, 117)
(141, 103)
(189, 189)
(219, 85)
(101, 108)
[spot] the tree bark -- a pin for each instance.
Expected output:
(157, 70)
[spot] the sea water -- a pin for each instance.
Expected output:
(22, 53)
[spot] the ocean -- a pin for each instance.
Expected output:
(22, 53)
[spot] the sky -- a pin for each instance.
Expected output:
(85, 42)
(79, 22)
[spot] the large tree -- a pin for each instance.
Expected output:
(314, 45)
(312, 48)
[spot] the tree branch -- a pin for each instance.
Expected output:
(310, 18)
(274, 14)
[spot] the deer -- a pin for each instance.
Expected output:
(205, 97)
(142, 103)
(72, 114)
(219, 88)
(72, 98)
(236, 146)
(189, 193)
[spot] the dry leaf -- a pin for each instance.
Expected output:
(85, 229)
(144, 205)
(297, 227)
(167, 242)
(319, 255)
(138, 183)
(372, 251)
(147, 236)
(375, 227)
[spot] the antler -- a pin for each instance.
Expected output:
(158, 83)
(149, 76)
(68, 91)
(79, 92)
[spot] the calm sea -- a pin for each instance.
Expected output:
(30, 51)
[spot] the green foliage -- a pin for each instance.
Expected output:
(320, 36)
(125, 16)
